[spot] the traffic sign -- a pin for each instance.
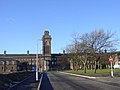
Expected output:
(33, 68)
(110, 59)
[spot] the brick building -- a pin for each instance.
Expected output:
(46, 60)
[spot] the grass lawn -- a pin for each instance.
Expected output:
(91, 72)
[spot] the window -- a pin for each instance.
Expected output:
(33, 63)
(47, 63)
(2, 62)
(91, 62)
(13, 62)
(55, 59)
(7, 62)
(88, 61)
(2, 68)
(52, 63)
(12, 68)
(29, 63)
(88, 66)
(33, 59)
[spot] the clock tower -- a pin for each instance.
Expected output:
(46, 49)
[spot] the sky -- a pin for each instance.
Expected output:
(23, 22)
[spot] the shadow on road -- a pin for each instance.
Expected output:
(46, 85)
(28, 84)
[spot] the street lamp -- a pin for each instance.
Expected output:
(37, 62)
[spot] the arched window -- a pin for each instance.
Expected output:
(13, 62)
(2, 62)
(2, 69)
(12, 68)
(7, 62)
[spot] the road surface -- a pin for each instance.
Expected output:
(61, 81)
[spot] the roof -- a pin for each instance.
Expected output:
(6, 58)
(17, 55)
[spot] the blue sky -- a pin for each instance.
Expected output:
(22, 22)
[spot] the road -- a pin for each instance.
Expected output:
(61, 81)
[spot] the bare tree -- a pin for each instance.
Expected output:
(91, 44)
(98, 41)
(73, 50)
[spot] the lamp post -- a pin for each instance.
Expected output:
(37, 62)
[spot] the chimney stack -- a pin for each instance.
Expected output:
(27, 52)
(4, 52)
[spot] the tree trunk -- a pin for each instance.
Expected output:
(95, 67)
(84, 67)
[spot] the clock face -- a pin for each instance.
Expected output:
(46, 42)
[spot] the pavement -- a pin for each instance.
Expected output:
(45, 84)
